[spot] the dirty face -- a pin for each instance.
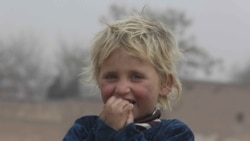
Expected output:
(132, 79)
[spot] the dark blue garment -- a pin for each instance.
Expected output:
(92, 128)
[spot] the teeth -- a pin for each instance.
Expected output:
(131, 101)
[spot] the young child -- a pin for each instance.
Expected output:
(133, 65)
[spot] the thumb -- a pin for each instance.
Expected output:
(130, 115)
(101, 114)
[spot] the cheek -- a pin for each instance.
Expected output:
(106, 91)
(146, 93)
(143, 91)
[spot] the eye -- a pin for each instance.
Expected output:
(110, 77)
(136, 76)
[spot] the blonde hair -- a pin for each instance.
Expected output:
(146, 39)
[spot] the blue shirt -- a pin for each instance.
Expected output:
(92, 128)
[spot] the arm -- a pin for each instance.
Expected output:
(181, 136)
(115, 115)
(101, 131)
(116, 124)
(86, 131)
(176, 130)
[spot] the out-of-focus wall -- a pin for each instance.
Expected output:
(214, 111)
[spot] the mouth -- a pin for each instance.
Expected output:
(131, 101)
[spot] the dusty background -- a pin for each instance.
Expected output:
(40, 121)
(215, 112)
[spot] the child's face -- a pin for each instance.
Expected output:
(132, 79)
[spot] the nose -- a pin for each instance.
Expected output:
(122, 87)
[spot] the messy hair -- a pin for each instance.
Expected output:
(146, 39)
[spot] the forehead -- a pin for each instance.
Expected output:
(122, 62)
(121, 55)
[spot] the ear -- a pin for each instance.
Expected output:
(167, 85)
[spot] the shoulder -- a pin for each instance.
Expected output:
(173, 123)
(86, 120)
(80, 128)
(177, 129)
(84, 124)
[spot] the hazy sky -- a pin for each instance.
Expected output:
(221, 27)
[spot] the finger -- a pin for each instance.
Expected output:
(102, 115)
(110, 100)
(120, 103)
(123, 103)
(130, 115)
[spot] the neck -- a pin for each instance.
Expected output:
(156, 114)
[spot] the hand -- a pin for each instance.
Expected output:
(117, 113)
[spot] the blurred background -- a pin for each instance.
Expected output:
(45, 44)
